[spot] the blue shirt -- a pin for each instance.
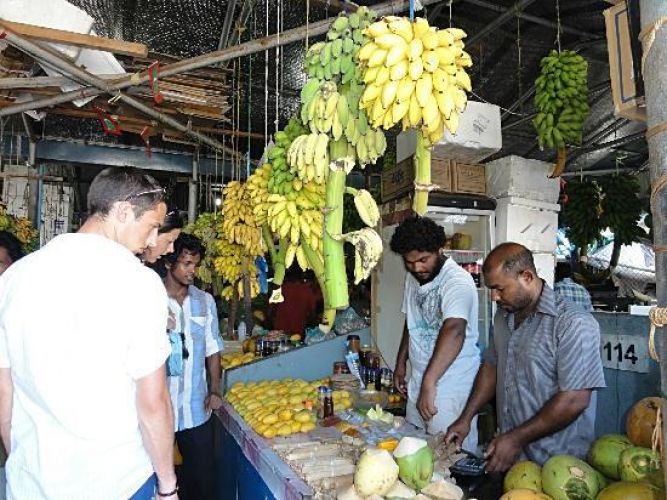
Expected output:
(197, 318)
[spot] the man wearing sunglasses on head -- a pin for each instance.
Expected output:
(193, 399)
(84, 405)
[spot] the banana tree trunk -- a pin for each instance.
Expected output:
(422, 175)
(316, 264)
(334, 257)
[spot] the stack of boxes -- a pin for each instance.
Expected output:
(527, 207)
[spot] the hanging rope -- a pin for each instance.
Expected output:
(412, 10)
(277, 61)
(266, 81)
(254, 27)
(307, 22)
(658, 317)
(558, 27)
(449, 4)
(518, 51)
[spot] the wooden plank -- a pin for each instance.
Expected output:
(77, 39)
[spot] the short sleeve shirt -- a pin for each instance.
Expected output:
(555, 349)
(451, 294)
(81, 320)
(198, 321)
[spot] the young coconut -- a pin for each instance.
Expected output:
(376, 473)
(443, 490)
(565, 477)
(415, 462)
(400, 491)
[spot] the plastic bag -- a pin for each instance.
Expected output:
(348, 321)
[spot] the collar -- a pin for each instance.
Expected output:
(547, 303)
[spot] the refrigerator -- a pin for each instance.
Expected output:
(468, 251)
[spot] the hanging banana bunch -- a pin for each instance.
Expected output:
(21, 227)
(415, 74)
(561, 99)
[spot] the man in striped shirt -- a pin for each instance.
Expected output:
(543, 367)
(195, 317)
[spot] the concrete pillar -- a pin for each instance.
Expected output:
(655, 85)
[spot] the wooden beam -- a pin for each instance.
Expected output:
(76, 39)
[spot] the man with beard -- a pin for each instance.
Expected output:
(440, 334)
(196, 319)
(543, 367)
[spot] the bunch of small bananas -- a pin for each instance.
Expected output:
(299, 219)
(21, 227)
(308, 157)
(367, 251)
(238, 224)
(257, 187)
(205, 227)
(415, 74)
(281, 178)
(333, 59)
(231, 263)
(561, 98)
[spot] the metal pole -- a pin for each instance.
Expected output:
(54, 59)
(655, 84)
(192, 188)
(390, 7)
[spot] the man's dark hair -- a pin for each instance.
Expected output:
(418, 233)
(12, 244)
(172, 220)
(186, 243)
(118, 184)
(513, 257)
(563, 270)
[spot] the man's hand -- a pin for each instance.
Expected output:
(458, 431)
(503, 452)
(426, 402)
(213, 401)
(399, 379)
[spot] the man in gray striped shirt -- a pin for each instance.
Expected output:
(543, 367)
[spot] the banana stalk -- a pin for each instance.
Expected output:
(334, 257)
(279, 262)
(268, 241)
(422, 175)
(317, 266)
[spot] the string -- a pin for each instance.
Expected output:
(472, 92)
(266, 81)
(449, 4)
(412, 10)
(558, 27)
(277, 61)
(247, 166)
(307, 23)
(518, 51)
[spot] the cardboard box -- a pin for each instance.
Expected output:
(468, 178)
(516, 176)
(400, 180)
(627, 104)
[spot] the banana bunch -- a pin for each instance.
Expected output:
(238, 224)
(231, 262)
(367, 251)
(561, 98)
(621, 208)
(299, 219)
(581, 212)
(21, 227)
(414, 74)
(258, 191)
(308, 158)
(280, 176)
(205, 228)
(326, 110)
(334, 59)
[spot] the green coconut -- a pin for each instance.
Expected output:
(605, 453)
(524, 475)
(415, 462)
(565, 477)
(631, 491)
(637, 462)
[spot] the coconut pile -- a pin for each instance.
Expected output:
(408, 473)
(618, 467)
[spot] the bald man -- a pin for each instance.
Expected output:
(543, 367)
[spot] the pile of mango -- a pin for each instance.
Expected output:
(281, 407)
(234, 359)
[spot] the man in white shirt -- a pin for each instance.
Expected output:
(84, 405)
(192, 396)
(440, 334)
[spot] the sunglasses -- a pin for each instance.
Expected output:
(143, 193)
(186, 354)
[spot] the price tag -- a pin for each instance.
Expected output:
(624, 352)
